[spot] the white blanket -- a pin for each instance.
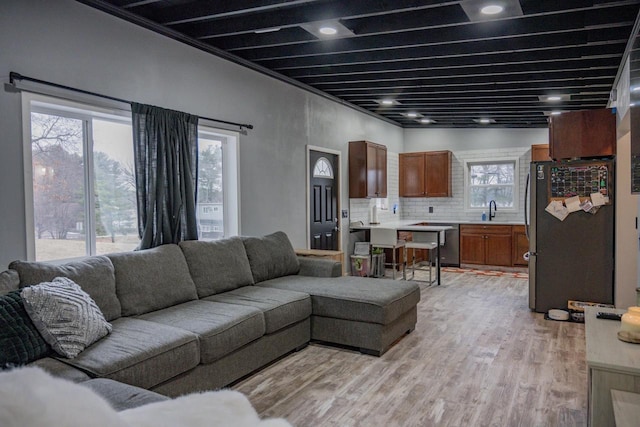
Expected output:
(31, 397)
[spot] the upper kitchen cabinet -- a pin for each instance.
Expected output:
(425, 174)
(540, 153)
(367, 170)
(587, 133)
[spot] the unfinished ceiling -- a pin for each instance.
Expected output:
(416, 63)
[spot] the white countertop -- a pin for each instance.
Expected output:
(407, 225)
(410, 224)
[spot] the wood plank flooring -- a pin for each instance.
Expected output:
(478, 357)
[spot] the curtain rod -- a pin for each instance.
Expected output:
(17, 76)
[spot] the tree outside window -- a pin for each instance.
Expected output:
(491, 181)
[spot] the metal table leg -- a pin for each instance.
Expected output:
(438, 257)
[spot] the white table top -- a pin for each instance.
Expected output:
(403, 225)
(604, 349)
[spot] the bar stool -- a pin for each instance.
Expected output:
(387, 238)
(422, 240)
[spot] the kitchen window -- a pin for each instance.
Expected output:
(487, 180)
(80, 181)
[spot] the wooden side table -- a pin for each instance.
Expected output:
(319, 253)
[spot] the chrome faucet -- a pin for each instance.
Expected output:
(492, 214)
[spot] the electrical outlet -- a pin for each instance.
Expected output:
(345, 213)
(430, 209)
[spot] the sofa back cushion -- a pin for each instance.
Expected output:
(271, 256)
(217, 266)
(9, 281)
(95, 275)
(152, 279)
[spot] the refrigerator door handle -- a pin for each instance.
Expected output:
(526, 197)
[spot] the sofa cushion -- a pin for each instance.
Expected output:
(217, 266)
(221, 328)
(20, 341)
(60, 369)
(66, 316)
(122, 396)
(271, 256)
(140, 353)
(354, 298)
(280, 307)
(94, 274)
(152, 279)
(9, 281)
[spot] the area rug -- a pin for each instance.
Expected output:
(514, 274)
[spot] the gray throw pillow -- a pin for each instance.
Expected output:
(65, 315)
(271, 256)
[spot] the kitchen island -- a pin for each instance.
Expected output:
(413, 226)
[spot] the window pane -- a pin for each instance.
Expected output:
(492, 174)
(58, 186)
(114, 187)
(210, 196)
(479, 197)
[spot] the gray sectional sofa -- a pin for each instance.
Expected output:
(200, 315)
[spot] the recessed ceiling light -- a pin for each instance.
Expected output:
(485, 121)
(427, 121)
(328, 31)
(556, 113)
(492, 9)
(387, 102)
(488, 10)
(331, 29)
(412, 114)
(554, 98)
(633, 104)
(635, 89)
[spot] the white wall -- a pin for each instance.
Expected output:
(72, 44)
(472, 139)
(627, 254)
(626, 267)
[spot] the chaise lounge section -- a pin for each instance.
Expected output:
(201, 315)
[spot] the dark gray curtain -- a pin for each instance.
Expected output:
(166, 162)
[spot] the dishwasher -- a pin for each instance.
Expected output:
(450, 252)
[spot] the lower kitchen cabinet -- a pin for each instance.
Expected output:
(485, 244)
(520, 245)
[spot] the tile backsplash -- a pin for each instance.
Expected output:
(447, 209)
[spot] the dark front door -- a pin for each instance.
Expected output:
(323, 191)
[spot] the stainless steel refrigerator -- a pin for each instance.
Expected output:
(571, 259)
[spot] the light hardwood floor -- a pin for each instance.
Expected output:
(478, 357)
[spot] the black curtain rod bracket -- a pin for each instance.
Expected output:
(13, 76)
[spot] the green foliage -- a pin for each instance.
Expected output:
(210, 175)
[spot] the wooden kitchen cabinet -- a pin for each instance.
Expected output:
(586, 133)
(520, 245)
(540, 153)
(425, 174)
(485, 244)
(367, 170)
